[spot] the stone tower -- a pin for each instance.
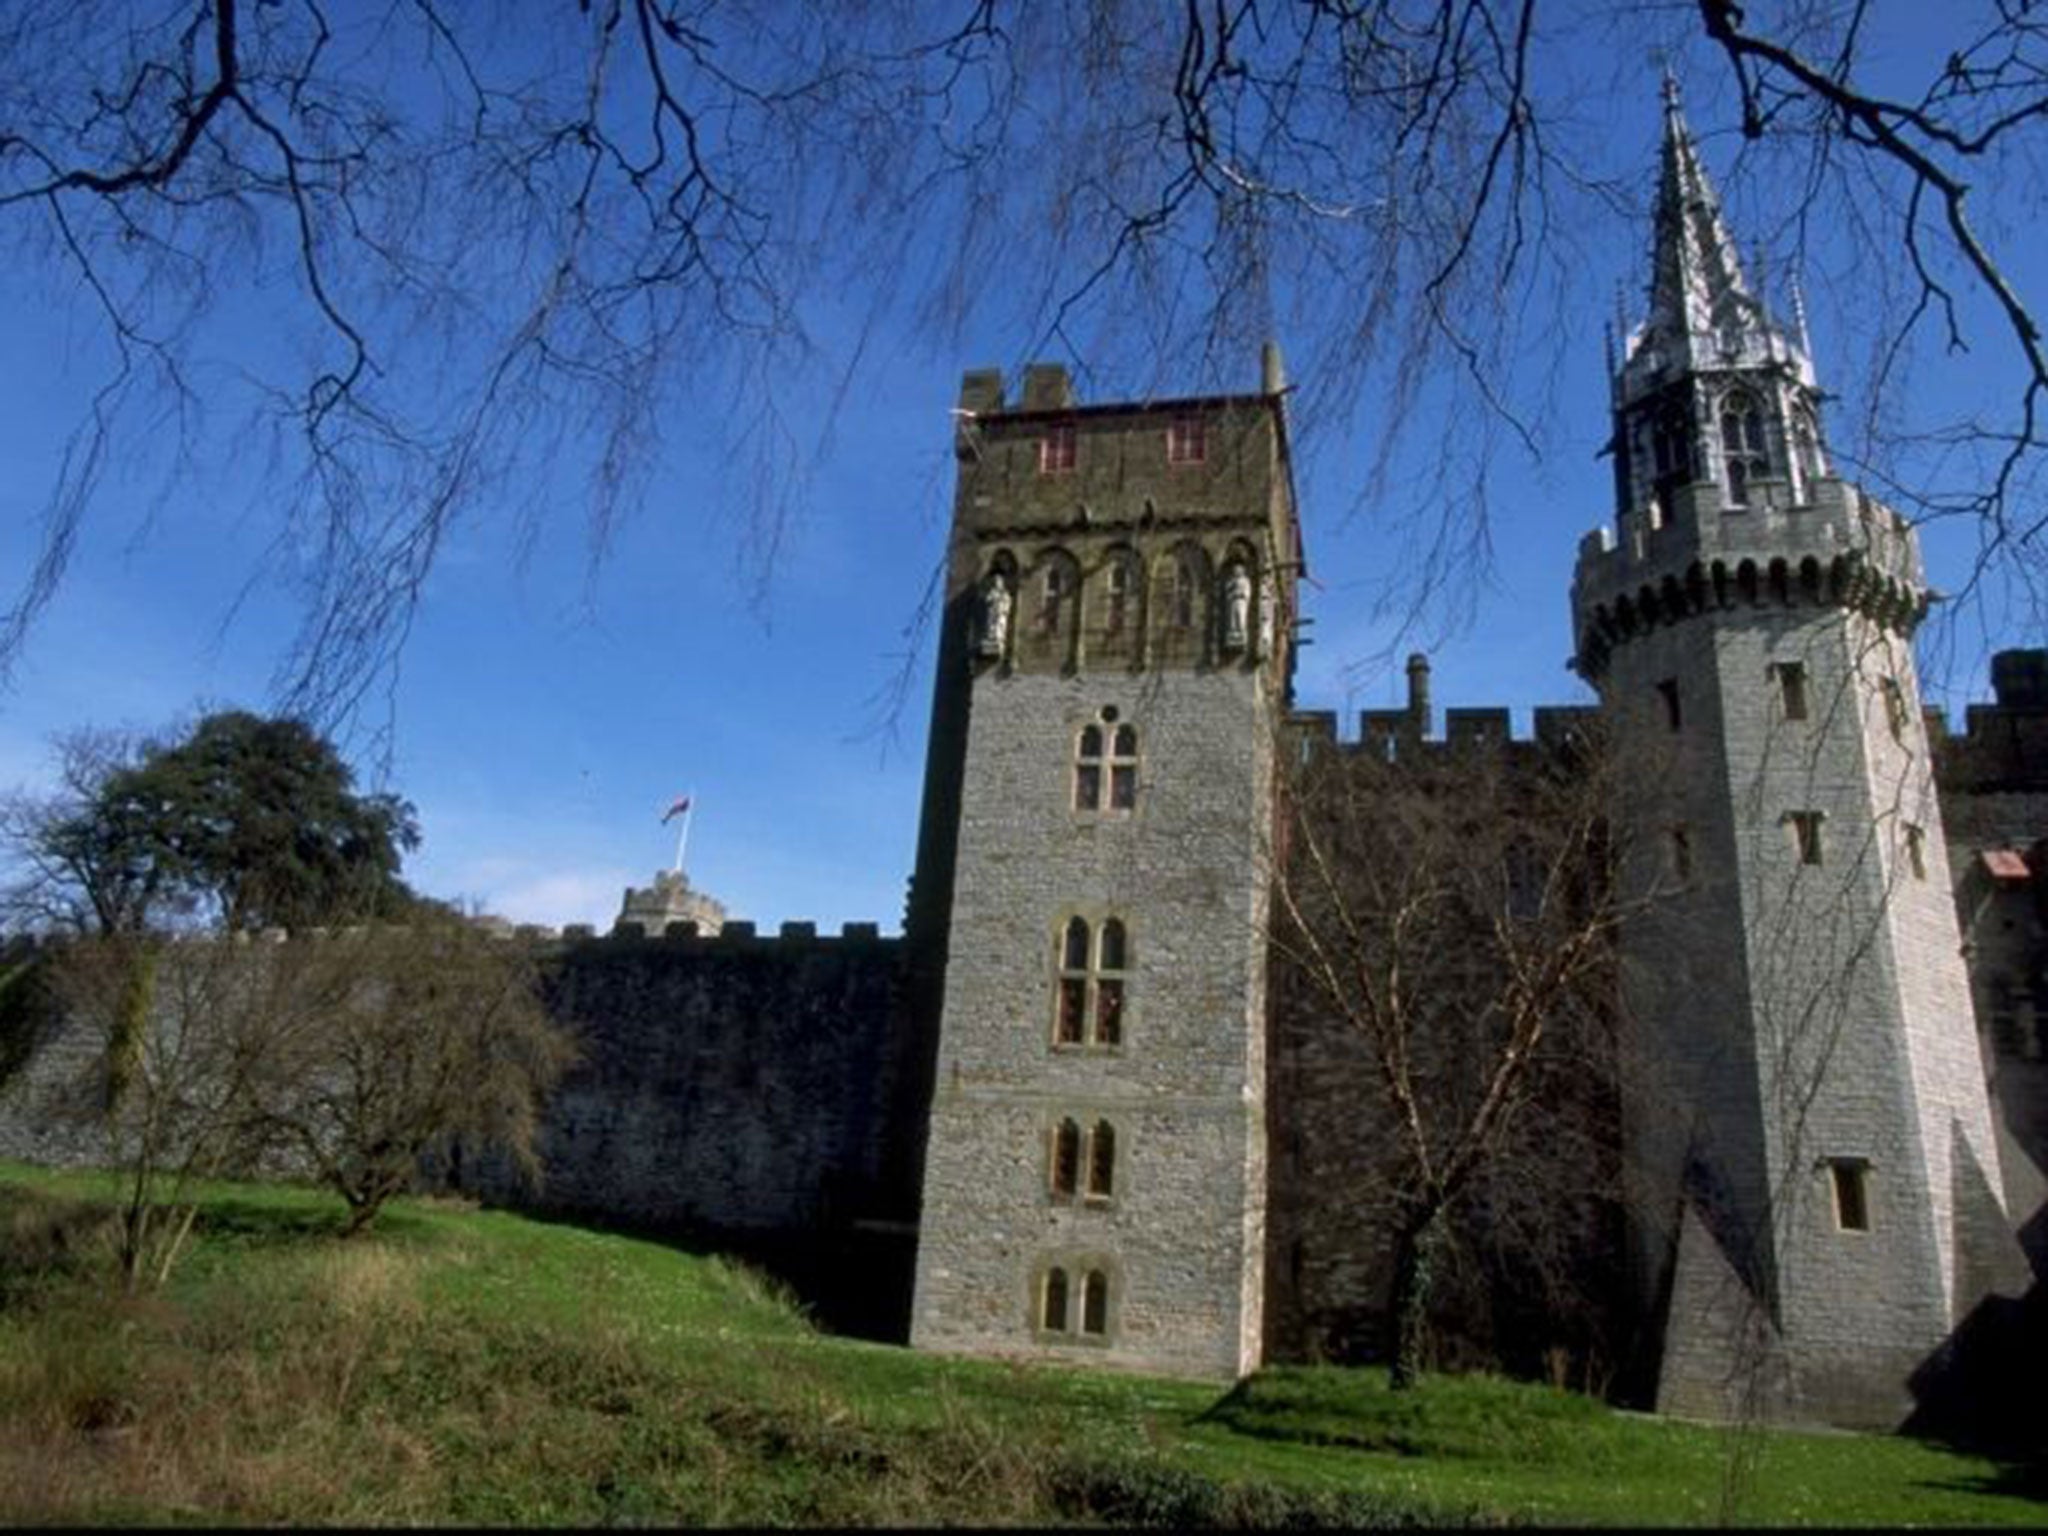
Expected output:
(1815, 1175)
(1092, 874)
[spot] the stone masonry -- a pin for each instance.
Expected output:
(1819, 1200)
(1105, 963)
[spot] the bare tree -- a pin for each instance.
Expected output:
(187, 1038)
(1449, 913)
(342, 1058)
(427, 1035)
(502, 239)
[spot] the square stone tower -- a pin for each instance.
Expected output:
(1091, 896)
(1816, 1182)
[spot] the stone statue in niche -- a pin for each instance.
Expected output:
(1267, 599)
(1237, 606)
(995, 615)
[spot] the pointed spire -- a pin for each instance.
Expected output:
(1702, 311)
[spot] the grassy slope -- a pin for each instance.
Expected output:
(460, 1366)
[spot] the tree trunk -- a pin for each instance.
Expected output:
(1414, 1269)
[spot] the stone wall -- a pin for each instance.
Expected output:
(766, 1093)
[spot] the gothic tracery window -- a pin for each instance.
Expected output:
(1742, 444)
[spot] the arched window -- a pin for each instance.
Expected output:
(1052, 1313)
(1742, 428)
(1089, 1004)
(1101, 1161)
(1063, 1177)
(1109, 984)
(1671, 445)
(1095, 1302)
(1073, 989)
(1742, 444)
(1106, 752)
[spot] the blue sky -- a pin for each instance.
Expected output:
(543, 720)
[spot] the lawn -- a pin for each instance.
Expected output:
(464, 1366)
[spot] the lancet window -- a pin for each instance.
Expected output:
(1742, 444)
(1089, 996)
(1081, 1162)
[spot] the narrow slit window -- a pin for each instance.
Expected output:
(1668, 692)
(1792, 687)
(1681, 853)
(1805, 831)
(1916, 852)
(1851, 1179)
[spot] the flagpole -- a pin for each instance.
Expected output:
(683, 837)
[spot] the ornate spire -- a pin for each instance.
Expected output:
(1702, 313)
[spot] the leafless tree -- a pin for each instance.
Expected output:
(1451, 917)
(185, 1039)
(498, 241)
(341, 1058)
(428, 1034)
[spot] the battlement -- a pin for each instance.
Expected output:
(1843, 548)
(1397, 735)
(1839, 518)
(2003, 746)
(731, 936)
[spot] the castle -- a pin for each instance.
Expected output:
(1079, 1111)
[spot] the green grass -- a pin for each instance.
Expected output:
(462, 1366)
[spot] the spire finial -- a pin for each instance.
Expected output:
(1670, 89)
(1799, 314)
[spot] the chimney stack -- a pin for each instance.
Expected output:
(1418, 692)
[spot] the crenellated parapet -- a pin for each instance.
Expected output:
(1843, 549)
(2003, 746)
(1396, 736)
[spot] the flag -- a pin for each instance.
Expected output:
(682, 804)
